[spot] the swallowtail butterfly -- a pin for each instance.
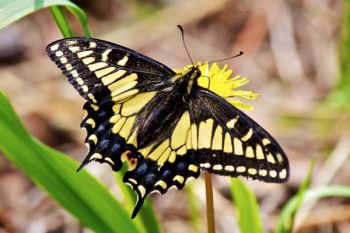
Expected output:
(166, 126)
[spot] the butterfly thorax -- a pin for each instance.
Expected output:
(158, 118)
(187, 80)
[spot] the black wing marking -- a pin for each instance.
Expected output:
(238, 146)
(102, 71)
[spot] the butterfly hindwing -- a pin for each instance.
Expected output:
(102, 71)
(231, 143)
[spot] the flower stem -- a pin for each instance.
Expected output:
(209, 202)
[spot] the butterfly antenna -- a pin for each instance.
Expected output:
(228, 58)
(183, 41)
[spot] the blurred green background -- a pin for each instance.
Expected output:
(296, 55)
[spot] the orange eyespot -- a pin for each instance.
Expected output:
(125, 155)
(132, 164)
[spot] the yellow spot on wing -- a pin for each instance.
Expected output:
(217, 139)
(283, 174)
(91, 122)
(231, 123)
(259, 152)
(249, 153)
(93, 138)
(92, 45)
(106, 80)
(95, 107)
(164, 157)
(179, 178)
(109, 160)
(116, 108)
(262, 172)
(114, 119)
(248, 135)
(172, 157)
(127, 80)
(273, 173)
(161, 183)
(75, 74)
(133, 138)
(116, 128)
(252, 171)
(193, 168)
(133, 105)
(229, 168)
(63, 60)
(97, 66)
(103, 72)
(105, 55)
(74, 49)
(79, 81)
(204, 134)
(217, 167)
(241, 169)
(189, 139)
(125, 95)
(59, 53)
(85, 88)
(155, 155)
(69, 67)
(84, 53)
(238, 146)
(96, 156)
(228, 143)
(54, 47)
(145, 151)
(178, 138)
(123, 61)
(270, 158)
(126, 130)
(142, 190)
(194, 136)
(266, 141)
(279, 158)
(88, 60)
(182, 150)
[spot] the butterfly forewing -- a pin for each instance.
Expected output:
(228, 142)
(101, 71)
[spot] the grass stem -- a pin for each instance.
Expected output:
(209, 202)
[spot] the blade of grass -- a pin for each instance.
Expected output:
(62, 21)
(288, 221)
(247, 207)
(80, 193)
(193, 208)
(316, 193)
(13, 10)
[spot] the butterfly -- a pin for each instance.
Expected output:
(164, 124)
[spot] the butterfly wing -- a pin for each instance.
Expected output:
(227, 142)
(117, 83)
(102, 71)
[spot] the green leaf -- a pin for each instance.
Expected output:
(320, 192)
(247, 207)
(286, 221)
(13, 10)
(80, 193)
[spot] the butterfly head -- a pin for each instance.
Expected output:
(187, 79)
